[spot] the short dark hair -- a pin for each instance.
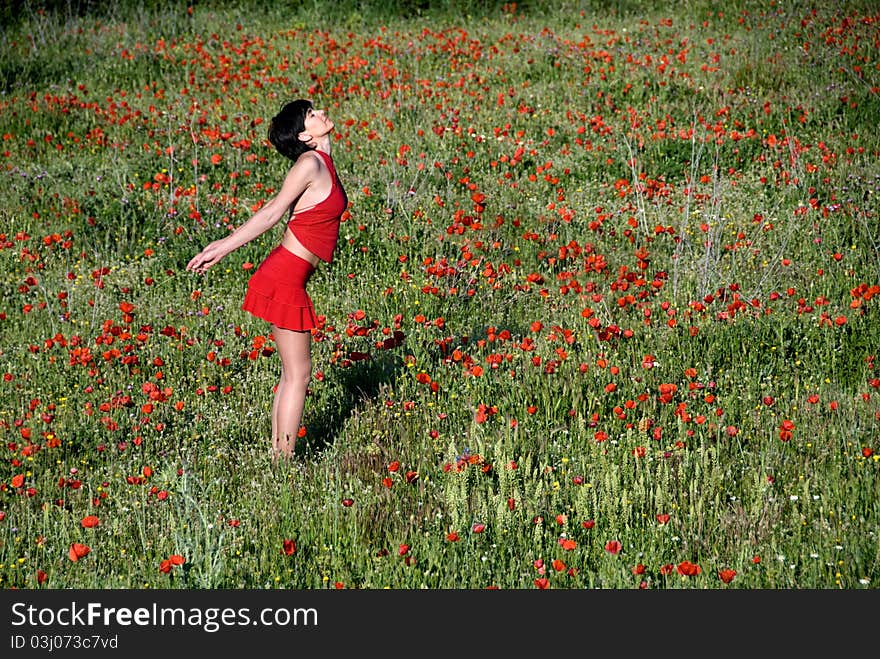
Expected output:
(285, 127)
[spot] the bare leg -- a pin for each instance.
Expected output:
(290, 395)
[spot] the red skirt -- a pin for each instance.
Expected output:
(277, 291)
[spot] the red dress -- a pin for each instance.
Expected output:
(277, 290)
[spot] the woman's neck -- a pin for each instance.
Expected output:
(323, 144)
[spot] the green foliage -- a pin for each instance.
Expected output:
(603, 315)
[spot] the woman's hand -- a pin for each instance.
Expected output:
(298, 179)
(207, 257)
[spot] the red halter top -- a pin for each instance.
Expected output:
(317, 227)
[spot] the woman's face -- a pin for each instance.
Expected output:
(317, 123)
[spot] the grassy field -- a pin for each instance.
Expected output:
(605, 310)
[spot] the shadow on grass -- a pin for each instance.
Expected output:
(346, 388)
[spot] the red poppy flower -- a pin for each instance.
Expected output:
(785, 430)
(542, 583)
(667, 569)
(288, 547)
(558, 565)
(348, 502)
(90, 521)
(403, 550)
(78, 551)
(41, 577)
(567, 544)
(478, 527)
(726, 575)
(662, 518)
(688, 569)
(590, 523)
(613, 547)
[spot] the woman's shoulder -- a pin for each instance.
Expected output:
(316, 156)
(309, 162)
(312, 155)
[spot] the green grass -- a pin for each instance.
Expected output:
(626, 252)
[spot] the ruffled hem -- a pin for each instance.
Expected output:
(281, 314)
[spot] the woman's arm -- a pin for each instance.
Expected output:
(295, 183)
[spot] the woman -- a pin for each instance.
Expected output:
(314, 200)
